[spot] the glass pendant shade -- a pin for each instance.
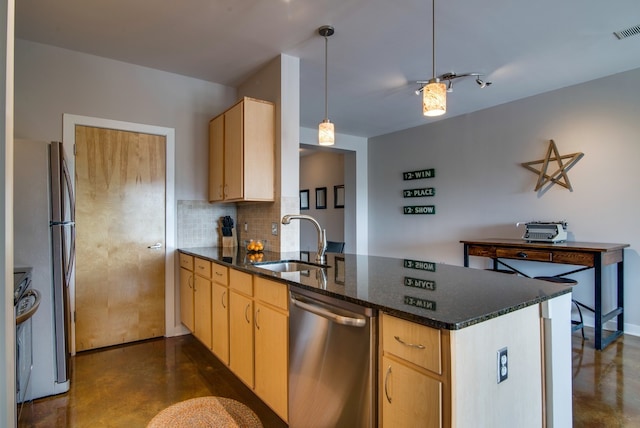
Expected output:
(326, 135)
(434, 99)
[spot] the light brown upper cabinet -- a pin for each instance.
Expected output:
(242, 153)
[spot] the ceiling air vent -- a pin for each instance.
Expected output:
(627, 32)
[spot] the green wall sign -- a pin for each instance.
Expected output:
(417, 175)
(419, 209)
(417, 193)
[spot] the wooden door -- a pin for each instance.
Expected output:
(233, 152)
(241, 337)
(186, 298)
(120, 217)
(409, 397)
(271, 358)
(216, 159)
(220, 322)
(202, 310)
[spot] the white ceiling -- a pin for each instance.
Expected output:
(380, 47)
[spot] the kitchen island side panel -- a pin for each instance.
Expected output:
(476, 393)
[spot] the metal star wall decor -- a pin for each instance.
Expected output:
(559, 176)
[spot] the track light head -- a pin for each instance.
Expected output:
(482, 83)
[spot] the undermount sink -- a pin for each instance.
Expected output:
(289, 266)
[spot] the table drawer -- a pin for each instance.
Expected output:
(220, 274)
(418, 344)
(525, 254)
(186, 261)
(574, 258)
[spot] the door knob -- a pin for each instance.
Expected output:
(155, 246)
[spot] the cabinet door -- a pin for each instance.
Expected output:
(220, 328)
(202, 310)
(186, 298)
(233, 152)
(241, 337)
(216, 159)
(409, 398)
(272, 358)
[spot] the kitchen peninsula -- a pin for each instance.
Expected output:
(455, 323)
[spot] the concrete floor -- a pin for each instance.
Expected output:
(126, 386)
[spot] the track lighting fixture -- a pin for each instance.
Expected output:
(450, 77)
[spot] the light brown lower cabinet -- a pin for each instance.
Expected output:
(413, 375)
(220, 311)
(241, 336)
(272, 344)
(186, 298)
(409, 397)
(202, 310)
(220, 322)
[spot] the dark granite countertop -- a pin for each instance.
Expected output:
(438, 295)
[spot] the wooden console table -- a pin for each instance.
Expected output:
(589, 255)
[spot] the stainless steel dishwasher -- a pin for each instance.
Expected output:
(332, 362)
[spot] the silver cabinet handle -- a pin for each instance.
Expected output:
(386, 382)
(246, 313)
(155, 246)
(224, 293)
(190, 282)
(410, 345)
(255, 321)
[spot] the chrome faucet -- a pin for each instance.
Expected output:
(322, 233)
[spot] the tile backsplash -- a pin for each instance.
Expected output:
(199, 223)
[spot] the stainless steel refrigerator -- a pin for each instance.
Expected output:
(44, 238)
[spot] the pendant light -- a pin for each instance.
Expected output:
(326, 133)
(434, 93)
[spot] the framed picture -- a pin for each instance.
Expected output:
(338, 196)
(321, 198)
(304, 199)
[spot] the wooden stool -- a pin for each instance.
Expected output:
(575, 325)
(205, 412)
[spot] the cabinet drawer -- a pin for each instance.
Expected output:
(186, 261)
(525, 254)
(418, 344)
(271, 292)
(241, 281)
(220, 274)
(202, 267)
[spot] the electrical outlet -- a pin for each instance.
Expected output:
(274, 229)
(503, 365)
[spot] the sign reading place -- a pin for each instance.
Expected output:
(417, 193)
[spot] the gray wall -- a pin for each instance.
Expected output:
(482, 190)
(52, 81)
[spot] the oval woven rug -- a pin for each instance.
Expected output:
(206, 412)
